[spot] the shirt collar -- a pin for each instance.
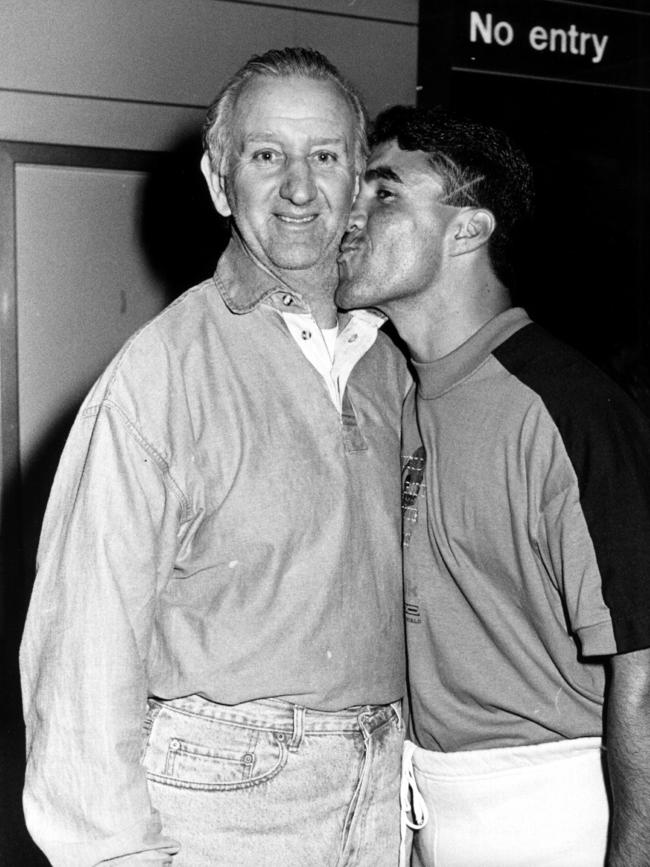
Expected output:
(243, 285)
(436, 377)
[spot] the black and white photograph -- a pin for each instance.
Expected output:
(325, 433)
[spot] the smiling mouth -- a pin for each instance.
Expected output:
(296, 221)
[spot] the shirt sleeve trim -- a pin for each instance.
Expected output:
(597, 639)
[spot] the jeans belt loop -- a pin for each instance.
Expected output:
(298, 728)
(397, 707)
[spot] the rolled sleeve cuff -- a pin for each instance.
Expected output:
(597, 639)
(143, 836)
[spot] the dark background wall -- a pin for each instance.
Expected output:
(584, 123)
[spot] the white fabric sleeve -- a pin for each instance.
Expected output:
(108, 543)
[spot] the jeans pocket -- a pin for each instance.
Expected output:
(208, 754)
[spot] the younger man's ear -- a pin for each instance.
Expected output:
(215, 182)
(471, 229)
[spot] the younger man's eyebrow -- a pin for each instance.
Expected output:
(382, 173)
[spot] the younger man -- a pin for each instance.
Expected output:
(526, 523)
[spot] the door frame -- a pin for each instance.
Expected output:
(14, 591)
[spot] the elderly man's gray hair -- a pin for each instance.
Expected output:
(277, 63)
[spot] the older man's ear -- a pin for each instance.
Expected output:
(215, 182)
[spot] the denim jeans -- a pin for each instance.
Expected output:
(272, 784)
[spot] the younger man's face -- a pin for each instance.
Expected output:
(393, 249)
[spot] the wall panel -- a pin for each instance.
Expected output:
(400, 11)
(83, 285)
(139, 73)
(377, 56)
(39, 117)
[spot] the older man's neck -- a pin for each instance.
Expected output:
(317, 287)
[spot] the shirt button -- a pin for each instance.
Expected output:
(287, 300)
(305, 334)
(352, 338)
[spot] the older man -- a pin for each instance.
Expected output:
(526, 523)
(213, 657)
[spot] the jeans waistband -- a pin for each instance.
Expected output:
(279, 715)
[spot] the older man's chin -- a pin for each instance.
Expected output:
(343, 295)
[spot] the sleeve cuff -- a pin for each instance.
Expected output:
(136, 840)
(597, 639)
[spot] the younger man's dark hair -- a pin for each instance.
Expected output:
(478, 165)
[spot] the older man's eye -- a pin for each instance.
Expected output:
(325, 158)
(265, 156)
(384, 195)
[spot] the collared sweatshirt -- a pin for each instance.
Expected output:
(216, 527)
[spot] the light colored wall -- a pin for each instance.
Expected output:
(139, 73)
(75, 308)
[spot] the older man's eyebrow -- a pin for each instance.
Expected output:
(269, 135)
(382, 173)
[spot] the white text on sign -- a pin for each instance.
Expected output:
(553, 39)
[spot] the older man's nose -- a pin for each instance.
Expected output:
(298, 183)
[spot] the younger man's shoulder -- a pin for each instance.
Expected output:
(567, 381)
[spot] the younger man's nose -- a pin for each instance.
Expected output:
(358, 217)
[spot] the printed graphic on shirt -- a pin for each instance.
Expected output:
(412, 485)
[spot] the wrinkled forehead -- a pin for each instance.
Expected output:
(293, 104)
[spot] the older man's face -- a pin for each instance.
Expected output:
(291, 178)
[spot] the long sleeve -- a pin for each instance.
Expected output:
(108, 543)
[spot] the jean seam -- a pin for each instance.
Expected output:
(356, 797)
(225, 720)
(147, 727)
(225, 787)
(393, 719)
(358, 821)
(190, 748)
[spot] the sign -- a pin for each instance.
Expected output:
(570, 82)
(553, 40)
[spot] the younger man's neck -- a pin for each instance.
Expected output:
(431, 334)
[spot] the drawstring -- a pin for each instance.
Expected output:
(418, 808)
